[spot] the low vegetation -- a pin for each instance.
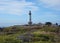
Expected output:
(44, 34)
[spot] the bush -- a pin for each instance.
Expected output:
(48, 23)
(11, 40)
(44, 37)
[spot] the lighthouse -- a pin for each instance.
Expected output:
(30, 20)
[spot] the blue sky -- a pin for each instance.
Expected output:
(15, 12)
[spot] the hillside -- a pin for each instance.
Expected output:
(30, 34)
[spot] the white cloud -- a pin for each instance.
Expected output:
(16, 7)
(53, 4)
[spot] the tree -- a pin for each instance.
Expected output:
(57, 24)
(48, 23)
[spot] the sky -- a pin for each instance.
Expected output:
(15, 12)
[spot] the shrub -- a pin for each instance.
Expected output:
(44, 37)
(48, 23)
(11, 40)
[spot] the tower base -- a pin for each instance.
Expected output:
(30, 23)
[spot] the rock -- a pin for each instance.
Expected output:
(25, 37)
